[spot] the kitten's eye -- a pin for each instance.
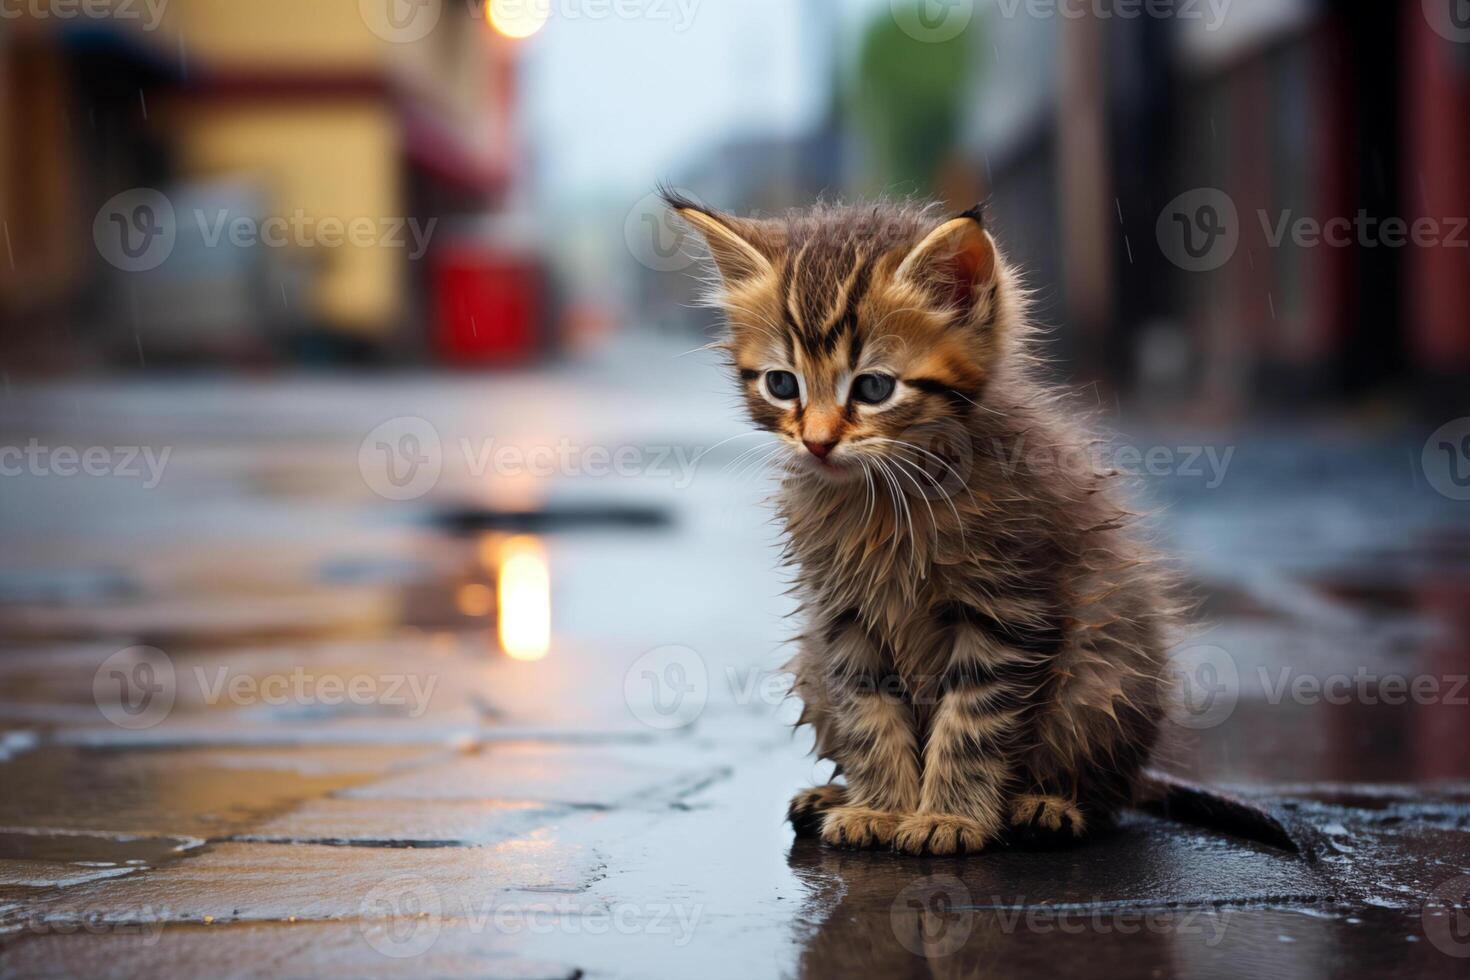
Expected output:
(782, 385)
(872, 389)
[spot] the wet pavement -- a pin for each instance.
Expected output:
(326, 697)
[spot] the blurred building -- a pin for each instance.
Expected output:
(1088, 128)
(314, 155)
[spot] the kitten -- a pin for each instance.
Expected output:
(985, 638)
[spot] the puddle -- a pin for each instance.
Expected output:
(65, 585)
(1374, 598)
(557, 518)
(91, 849)
(57, 859)
(164, 793)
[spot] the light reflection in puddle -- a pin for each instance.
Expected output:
(474, 599)
(515, 592)
(523, 592)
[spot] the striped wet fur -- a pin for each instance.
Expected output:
(985, 631)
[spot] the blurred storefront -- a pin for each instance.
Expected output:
(1090, 128)
(315, 155)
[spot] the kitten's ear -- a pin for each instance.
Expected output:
(741, 247)
(954, 261)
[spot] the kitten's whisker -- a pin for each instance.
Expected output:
(756, 464)
(939, 488)
(872, 495)
(712, 345)
(743, 435)
(908, 515)
(901, 467)
(747, 452)
(888, 485)
(938, 459)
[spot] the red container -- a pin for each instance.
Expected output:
(490, 305)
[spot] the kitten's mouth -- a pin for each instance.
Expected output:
(837, 470)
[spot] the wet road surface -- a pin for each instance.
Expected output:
(291, 711)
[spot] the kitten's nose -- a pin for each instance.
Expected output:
(819, 449)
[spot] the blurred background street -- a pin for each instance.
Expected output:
(387, 587)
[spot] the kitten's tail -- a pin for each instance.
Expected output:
(1175, 799)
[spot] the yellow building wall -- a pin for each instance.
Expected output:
(326, 153)
(332, 158)
(329, 35)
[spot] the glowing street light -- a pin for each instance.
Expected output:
(517, 18)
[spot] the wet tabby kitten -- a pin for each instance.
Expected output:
(984, 639)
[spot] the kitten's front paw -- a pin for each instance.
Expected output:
(807, 807)
(1033, 811)
(940, 833)
(857, 826)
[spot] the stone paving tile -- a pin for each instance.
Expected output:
(51, 858)
(571, 774)
(196, 792)
(309, 839)
(404, 823)
(405, 676)
(272, 949)
(237, 882)
(1150, 944)
(47, 874)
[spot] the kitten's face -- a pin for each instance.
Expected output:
(850, 328)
